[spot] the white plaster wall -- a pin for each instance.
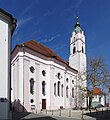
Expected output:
(37, 90)
(52, 68)
(26, 90)
(21, 76)
(96, 99)
(5, 44)
(4, 58)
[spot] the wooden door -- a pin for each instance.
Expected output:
(43, 103)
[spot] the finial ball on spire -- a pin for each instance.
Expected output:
(77, 19)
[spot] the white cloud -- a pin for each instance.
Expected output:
(33, 2)
(58, 48)
(20, 23)
(50, 39)
(49, 13)
(38, 21)
(75, 6)
(70, 8)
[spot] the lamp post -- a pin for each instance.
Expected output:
(7, 26)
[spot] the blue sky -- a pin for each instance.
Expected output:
(51, 23)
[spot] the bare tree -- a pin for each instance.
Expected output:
(97, 74)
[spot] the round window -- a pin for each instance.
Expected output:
(31, 100)
(43, 73)
(32, 69)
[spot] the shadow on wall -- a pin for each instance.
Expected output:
(18, 107)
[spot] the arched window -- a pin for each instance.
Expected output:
(67, 91)
(58, 88)
(43, 87)
(62, 90)
(82, 49)
(72, 81)
(67, 80)
(72, 92)
(74, 50)
(54, 88)
(32, 86)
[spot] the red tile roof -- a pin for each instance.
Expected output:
(97, 91)
(39, 48)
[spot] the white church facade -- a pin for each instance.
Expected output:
(43, 80)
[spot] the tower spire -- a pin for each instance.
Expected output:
(77, 19)
(77, 22)
(77, 27)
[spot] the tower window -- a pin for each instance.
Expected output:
(74, 50)
(32, 86)
(43, 88)
(82, 49)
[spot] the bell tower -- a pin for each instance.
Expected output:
(77, 59)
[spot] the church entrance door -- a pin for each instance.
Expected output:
(43, 103)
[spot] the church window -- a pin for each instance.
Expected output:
(100, 99)
(31, 100)
(43, 73)
(72, 92)
(82, 49)
(32, 69)
(58, 88)
(54, 88)
(59, 76)
(67, 91)
(32, 86)
(73, 81)
(74, 50)
(43, 88)
(62, 90)
(67, 80)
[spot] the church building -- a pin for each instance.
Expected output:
(43, 80)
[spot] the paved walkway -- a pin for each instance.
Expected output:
(53, 115)
(63, 115)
